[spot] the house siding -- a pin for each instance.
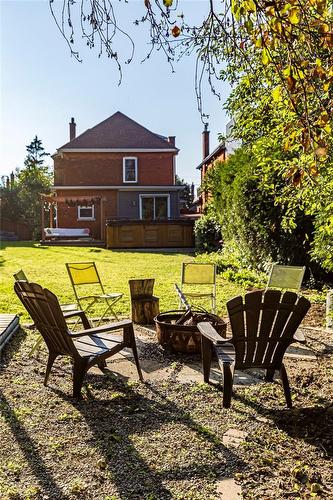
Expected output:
(129, 203)
(102, 169)
(67, 216)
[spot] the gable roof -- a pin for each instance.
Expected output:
(211, 157)
(121, 133)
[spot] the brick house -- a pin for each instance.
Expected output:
(219, 154)
(116, 171)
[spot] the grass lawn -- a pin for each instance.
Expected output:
(46, 266)
(165, 438)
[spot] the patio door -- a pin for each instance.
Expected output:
(154, 207)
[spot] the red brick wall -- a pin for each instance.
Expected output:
(205, 195)
(67, 216)
(98, 169)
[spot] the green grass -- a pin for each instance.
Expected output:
(46, 266)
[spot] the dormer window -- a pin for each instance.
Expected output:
(130, 169)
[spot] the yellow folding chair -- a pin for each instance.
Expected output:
(286, 277)
(84, 276)
(195, 274)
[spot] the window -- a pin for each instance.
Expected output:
(130, 169)
(155, 206)
(86, 213)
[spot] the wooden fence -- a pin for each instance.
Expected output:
(21, 229)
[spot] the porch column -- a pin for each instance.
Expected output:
(43, 220)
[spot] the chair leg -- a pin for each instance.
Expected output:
(136, 359)
(206, 355)
(35, 346)
(286, 387)
(129, 341)
(50, 361)
(102, 364)
(228, 379)
(79, 372)
(270, 374)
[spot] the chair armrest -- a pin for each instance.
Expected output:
(104, 328)
(82, 314)
(208, 331)
(299, 337)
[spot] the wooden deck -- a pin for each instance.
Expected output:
(9, 324)
(73, 243)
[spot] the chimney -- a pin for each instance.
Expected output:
(205, 142)
(72, 129)
(12, 179)
(172, 140)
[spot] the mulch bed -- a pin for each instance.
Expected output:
(162, 440)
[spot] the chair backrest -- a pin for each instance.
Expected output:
(44, 309)
(198, 273)
(286, 277)
(20, 276)
(263, 325)
(141, 288)
(83, 273)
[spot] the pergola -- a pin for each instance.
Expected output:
(71, 201)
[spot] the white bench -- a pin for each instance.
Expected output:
(61, 232)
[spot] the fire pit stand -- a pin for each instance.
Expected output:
(185, 337)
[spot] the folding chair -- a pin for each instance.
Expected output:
(286, 277)
(65, 308)
(84, 275)
(199, 273)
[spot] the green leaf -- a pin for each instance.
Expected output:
(265, 56)
(294, 15)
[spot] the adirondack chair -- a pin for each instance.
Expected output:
(66, 308)
(263, 325)
(91, 346)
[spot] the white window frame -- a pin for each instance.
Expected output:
(86, 218)
(124, 169)
(154, 195)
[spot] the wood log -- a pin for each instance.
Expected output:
(144, 305)
(144, 310)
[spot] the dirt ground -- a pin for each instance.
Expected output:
(169, 437)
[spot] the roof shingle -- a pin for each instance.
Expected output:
(118, 132)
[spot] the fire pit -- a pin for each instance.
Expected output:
(184, 336)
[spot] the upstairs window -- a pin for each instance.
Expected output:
(86, 213)
(130, 169)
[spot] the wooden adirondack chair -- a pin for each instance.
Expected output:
(91, 346)
(66, 308)
(263, 325)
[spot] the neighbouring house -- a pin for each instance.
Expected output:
(120, 176)
(219, 154)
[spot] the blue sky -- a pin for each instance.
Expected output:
(42, 86)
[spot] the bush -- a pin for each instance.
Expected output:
(207, 232)
(231, 266)
(251, 218)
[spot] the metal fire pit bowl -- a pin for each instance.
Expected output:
(184, 338)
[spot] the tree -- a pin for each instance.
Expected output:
(21, 201)
(292, 38)
(187, 193)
